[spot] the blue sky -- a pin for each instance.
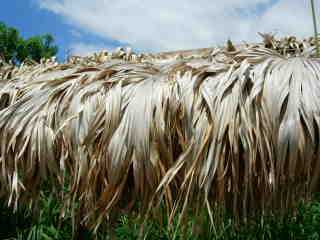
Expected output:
(31, 20)
(83, 26)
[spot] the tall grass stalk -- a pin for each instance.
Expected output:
(315, 27)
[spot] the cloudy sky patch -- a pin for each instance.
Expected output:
(83, 26)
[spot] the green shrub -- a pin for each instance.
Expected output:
(47, 225)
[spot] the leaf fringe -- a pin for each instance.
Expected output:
(237, 129)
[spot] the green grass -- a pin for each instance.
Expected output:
(46, 224)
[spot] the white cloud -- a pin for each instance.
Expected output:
(84, 49)
(288, 17)
(75, 33)
(183, 24)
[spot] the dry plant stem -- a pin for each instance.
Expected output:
(315, 27)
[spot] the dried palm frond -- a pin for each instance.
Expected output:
(238, 129)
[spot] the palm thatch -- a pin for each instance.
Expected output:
(236, 127)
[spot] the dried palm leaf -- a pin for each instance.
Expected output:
(212, 127)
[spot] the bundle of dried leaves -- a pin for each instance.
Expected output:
(236, 127)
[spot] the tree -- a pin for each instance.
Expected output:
(15, 49)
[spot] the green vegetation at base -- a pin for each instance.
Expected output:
(46, 224)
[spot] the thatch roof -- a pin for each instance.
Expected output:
(237, 125)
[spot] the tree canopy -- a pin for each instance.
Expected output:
(14, 48)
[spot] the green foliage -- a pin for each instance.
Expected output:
(23, 225)
(29, 225)
(15, 49)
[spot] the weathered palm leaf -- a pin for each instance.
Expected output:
(235, 128)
